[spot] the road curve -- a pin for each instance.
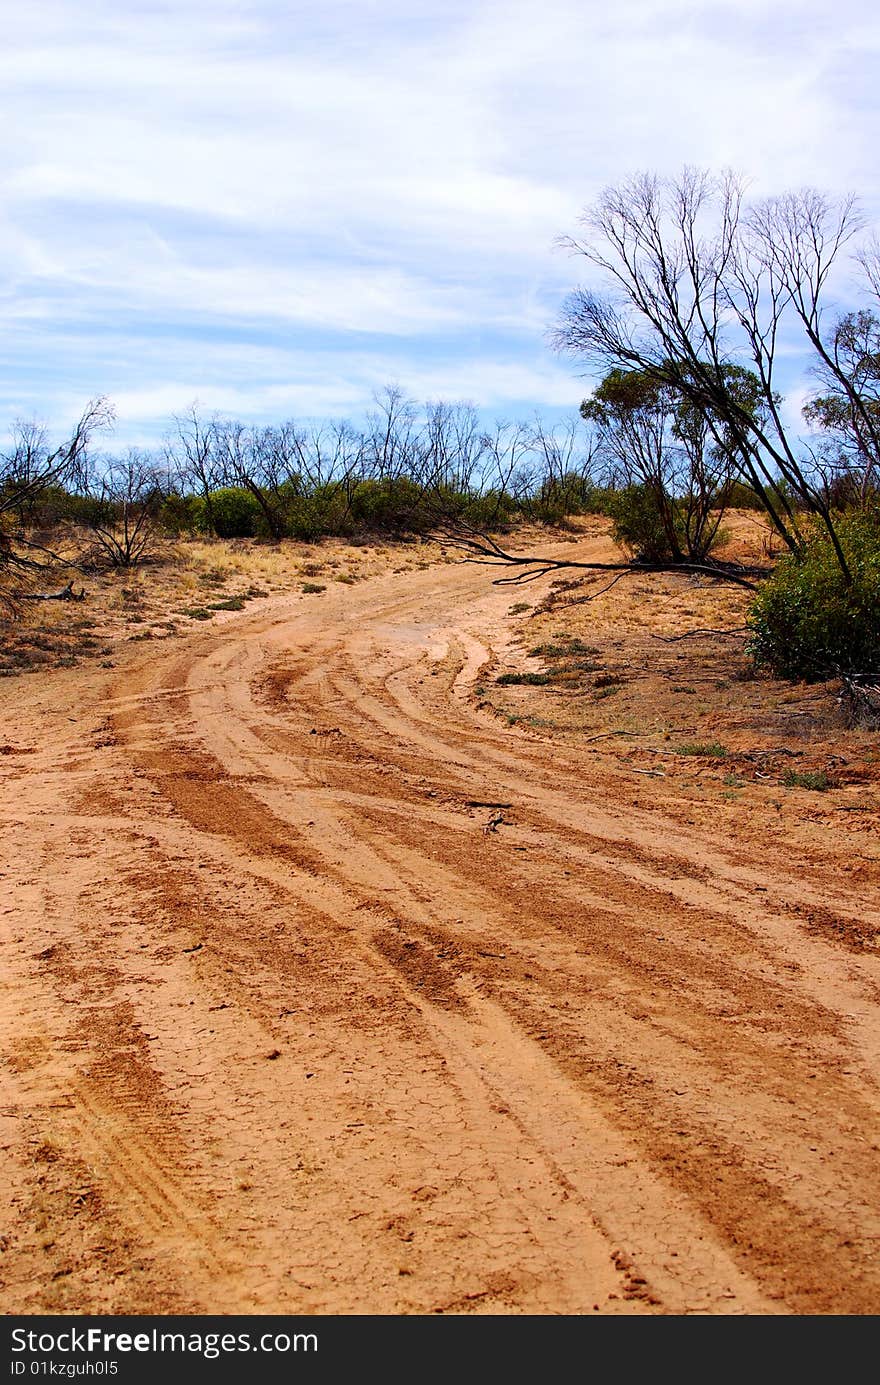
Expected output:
(329, 992)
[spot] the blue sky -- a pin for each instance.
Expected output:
(278, 208)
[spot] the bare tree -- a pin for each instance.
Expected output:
(191, 456)
(454, 445)
(23, 465)
(699, 283)
(394, 445)
(510, 464)
(28, 470)
(125, 500)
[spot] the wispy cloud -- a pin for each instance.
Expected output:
(352, 186)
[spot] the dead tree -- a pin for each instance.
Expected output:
(697, 281)
(27, 472)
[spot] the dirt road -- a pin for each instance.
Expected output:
(326, 991)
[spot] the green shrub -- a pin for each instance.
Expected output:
(392, 506)
(711, 750)
(569, 646)
(228, 603)
(740, 496)
(233, 513)
(181, 514)
(305, 518)
(598, 500)
(493, 510)
(815, 779)
(560, 498)
(806, 622)
(639, 525)
(50, 506)
(309, 515)
(533, 680)
(88, 510)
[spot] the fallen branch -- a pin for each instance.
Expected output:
(583, 600)
(482, 548)
(66, 594)
(692, 634)
(603, 735)
(861, 699)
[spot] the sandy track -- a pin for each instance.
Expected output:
(296, 1024)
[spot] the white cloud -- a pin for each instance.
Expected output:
(383, 168)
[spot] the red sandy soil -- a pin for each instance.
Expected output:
(340, 978)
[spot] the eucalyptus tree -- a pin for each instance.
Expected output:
(696, 282)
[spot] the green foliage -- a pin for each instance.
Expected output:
(739, 496)
(61, 505)
(642, 521)
(43, 509)
(711, 750)
(233, 513)
(532, 680)
(623, 392)
(807, 621)
(493, 510)
(389, 506)
(568, 645)
(560, 497)
(598, 500)
(228, 603)
(815, 779)
(181, 514)
(308, 516)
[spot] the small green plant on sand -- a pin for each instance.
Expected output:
(534, 680)
(815, 779)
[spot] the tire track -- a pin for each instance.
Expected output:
(348, 1043)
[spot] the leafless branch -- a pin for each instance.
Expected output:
(484, 548)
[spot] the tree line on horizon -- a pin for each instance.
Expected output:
(700, 296)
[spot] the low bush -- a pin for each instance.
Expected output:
(740, 496)
(532, 680)
(642, 528)
(815, 779)
(309, 517)
(232, 513)
(181, 514)
(559, 498)
(493, 510)
(710, 750)
(807, 623)
(390, 506)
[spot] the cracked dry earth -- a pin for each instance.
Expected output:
(326, 992)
